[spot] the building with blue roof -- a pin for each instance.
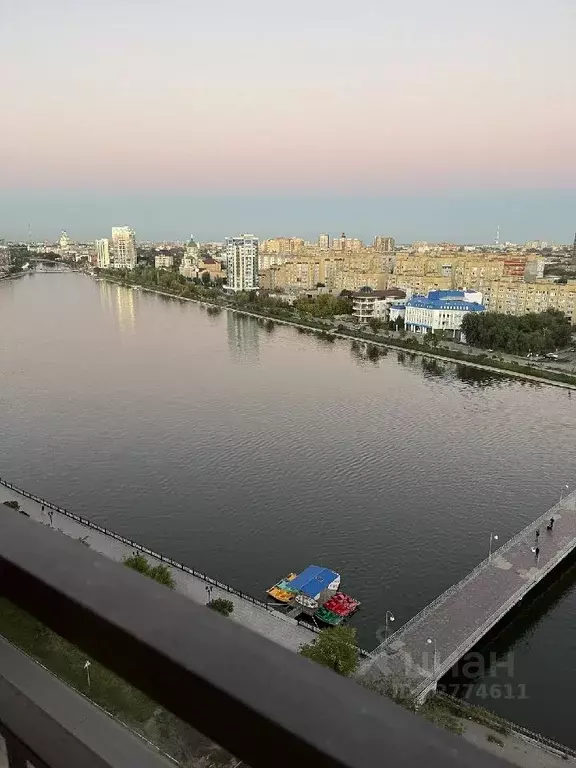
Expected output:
(441, 311)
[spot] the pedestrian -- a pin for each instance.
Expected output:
(537, 535)
(537, 551)
(551, 523)
(42, 507)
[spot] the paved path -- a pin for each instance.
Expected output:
(462, 615)
(270, 623)
(518, 751)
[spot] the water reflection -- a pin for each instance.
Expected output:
(364, 351)
(477, 377)
(432, 367)
(243, 337)
(119, 301)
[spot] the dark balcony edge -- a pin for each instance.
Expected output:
(261, 702)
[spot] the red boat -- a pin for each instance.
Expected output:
(337, 608)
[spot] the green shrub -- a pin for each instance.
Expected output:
(220, 605)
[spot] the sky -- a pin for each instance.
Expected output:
(420, 119)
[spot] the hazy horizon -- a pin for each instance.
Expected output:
(419, 120)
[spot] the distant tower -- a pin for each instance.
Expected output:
(497, 238)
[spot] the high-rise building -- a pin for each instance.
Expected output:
(102, 253)
(242, 263)
(384, 244)
(324, 241)
(64, 243)
(124, 247)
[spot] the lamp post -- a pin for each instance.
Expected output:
(562, 492)
(432, 641)
(87, 668)
(389, 617)
(209, 589)
(493, 537)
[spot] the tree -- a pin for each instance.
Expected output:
(375, 324)
(334, 648)
(12, 505)
(517, 335)
(159, 573)
(206, 279)
(220, 605)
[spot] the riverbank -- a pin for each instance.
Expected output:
(332, 331)
(252, 613)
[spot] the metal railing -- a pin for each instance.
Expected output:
(139, 547)
(263, 703)
(422, 614)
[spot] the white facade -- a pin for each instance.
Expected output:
(64, 244)
(242, 263)
(368, 303)
(441, 311)
(163, 261)
(102, 253)
(366, 307)
(124, 247)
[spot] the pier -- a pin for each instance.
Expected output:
(413, 659)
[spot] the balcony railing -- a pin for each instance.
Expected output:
(266, 705)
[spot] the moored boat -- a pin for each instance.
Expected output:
(281, 591)
(312, 582)
(337, 609)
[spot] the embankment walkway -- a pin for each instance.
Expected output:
(249, 611)
(422, 651)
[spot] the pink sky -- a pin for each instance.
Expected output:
(318, 95)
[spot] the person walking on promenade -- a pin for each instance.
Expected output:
(550, 524)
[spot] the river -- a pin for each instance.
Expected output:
(248, 451)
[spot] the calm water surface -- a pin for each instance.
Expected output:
(248, 452)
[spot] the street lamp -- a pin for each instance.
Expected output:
(493, 537)
(432, 641)
(87, 668)
(562, 492)
(389, 617)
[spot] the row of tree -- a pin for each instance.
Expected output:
(537, 333)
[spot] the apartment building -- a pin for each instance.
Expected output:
(336, 270)
(102, 248)
(124, 247)
(163, 261)
(513, 297)
(242, 263)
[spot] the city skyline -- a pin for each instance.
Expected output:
(464, 218)
(402, 110)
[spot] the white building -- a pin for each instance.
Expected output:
(102, 253)
(64, 244)
(242, 263)
(163, 261)
(124, 247)
(368, 303)
(441, 311)
(324, 241)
